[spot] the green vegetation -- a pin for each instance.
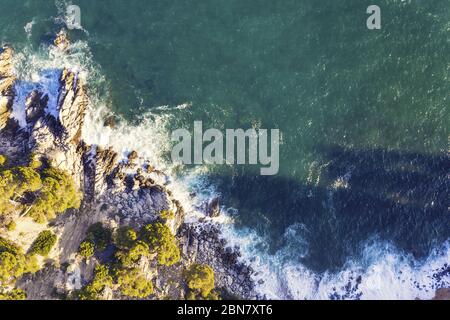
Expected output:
(6, 191)
(58, 194)
(167, 215)
(125, 237)
(43, 243)
(129, 279)
(11, 226)
(200, 279)
(14, 263)
(26, 180)
(128, 258)
(15, 294)
(99, 235)
(3, 160)
(87, 249)
(98, 238)
(54, 190)
(96, 289)
(131, 248)
(163, 242)
(14, 183)
(133, 283)
(34, 162)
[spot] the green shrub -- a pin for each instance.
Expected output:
(43, 243)
(11, 267)
(11, 226)
(26, 180)
(58, 194)
(13, 263)
(14, 183)
(191, 296)
(130, 257)
(95, 289)
(3, 160)
(8, 246)
(125, 237)
(200, 278)
(86, 249)
(99, 235)
(7, 188)
(133, 283)
(55, 191)
(15, 294)
(163, 242)
(167, 215)
(35, 163)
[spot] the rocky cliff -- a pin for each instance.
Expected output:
(6, 85)
(117, 192)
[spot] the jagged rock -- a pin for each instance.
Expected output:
(62, 41)
(58, 139)
(149, 168)
(99, 166)
(35, 106)
(132, 156)
(7, 80)
(110, 122)
(74, 279)
(72, 106)
(179, 215)
(213, 208)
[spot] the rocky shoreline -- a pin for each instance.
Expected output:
(118, 192)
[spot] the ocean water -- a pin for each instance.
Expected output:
(359, 209)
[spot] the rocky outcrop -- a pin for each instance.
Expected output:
(7, 80)
(212, 208)
(35, 106)
(203, 244)
(71, 107)
(99, 166)
(58, 138)
(442, 294)
(116, 191)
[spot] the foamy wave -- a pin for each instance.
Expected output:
(381, 272)
(40, 70)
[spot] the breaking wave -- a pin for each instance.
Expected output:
(381, 272)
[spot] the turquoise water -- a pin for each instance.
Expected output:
(364, 114)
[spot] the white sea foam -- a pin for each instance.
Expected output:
(29, 28)
(382, 272)
(46, 82)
